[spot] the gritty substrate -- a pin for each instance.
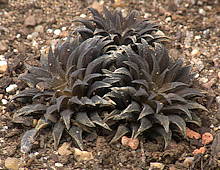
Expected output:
(28, 28)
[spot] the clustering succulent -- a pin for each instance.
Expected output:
(85, 85)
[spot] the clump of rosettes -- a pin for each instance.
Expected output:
(85, 86)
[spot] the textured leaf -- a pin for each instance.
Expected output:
(141, 93)
(95, 118)
(87, 101)
(134, 129)
(83, 118)
(179, 122)
(177, 108)
(97, 85)
(195, 105)
(147, 110)
(49, 115)
(61, 101)
(133, 107)
(33, 108)
(30, 92)
(76, 133)
(94, 77)
(75, 100)
(166, 136)
(142, 83)
(121, 131)
(145, 124)
(172, 86)
(189, 92)
(97, 100)
(95, 65)
(66, 115)
(57, 132)
(163, 120)
(28, 140)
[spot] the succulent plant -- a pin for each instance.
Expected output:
(123, 30)
(85, 86)
(66, 90)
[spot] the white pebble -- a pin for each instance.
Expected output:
(15, 50)
(196, 76)
(202, 11)
(195, 52)
(58, 164)
(156, 165)
(49, 31)
(63, 28)
(57, 32)
(18, 35)
(168, 19)
(83, 16)
(4, 101)
(32, 35)
(11, 88)
(197, 37)
(203, 80)
(3, 66)
(34, 44)
(217, 99)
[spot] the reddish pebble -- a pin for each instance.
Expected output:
(133, 143)
(207, 138)
(199, 151)
(125, 140)
(192, 134)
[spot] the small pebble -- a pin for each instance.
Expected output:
(57, 32)
(188, 161)
(195, 52)
(3, 45)
(192, 134)
(63, 28)
(4, 101)
(3, 66)
(202, 11)
(82, 155)
(203, 80)
(168, 19)
(18, 36)
(207, 138)
(197, 37)
(156, 166)
(39, 28)
(30, 21)
(11, 88)
(13, 163)
(210, 83)
(50, 31)
(58, 164)
(64, 149)
(83, 16)
(35, 44)
(199, 151)
(32, 35)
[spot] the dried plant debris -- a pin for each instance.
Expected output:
(86, 86)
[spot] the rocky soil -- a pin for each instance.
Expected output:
(29, 27)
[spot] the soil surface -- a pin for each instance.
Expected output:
(29, 27)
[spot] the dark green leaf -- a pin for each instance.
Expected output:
(83, 118)
(57, 132)
(163, 120)
(76, 133)
(121, 131)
